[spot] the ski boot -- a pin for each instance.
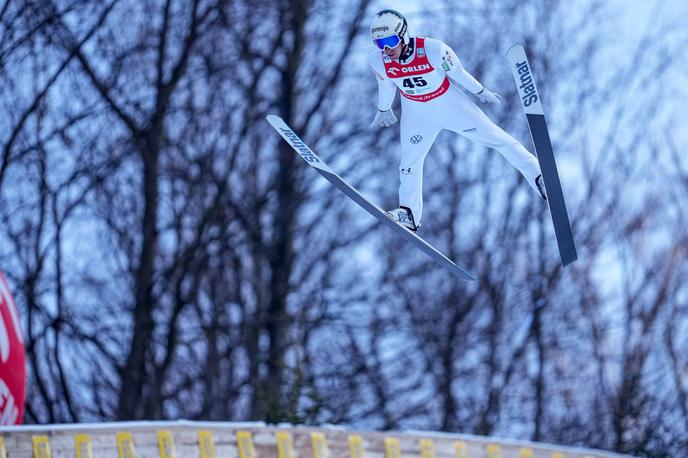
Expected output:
(540, 185)
(404, 216)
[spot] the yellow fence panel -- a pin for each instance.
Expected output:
(319, 444)
(356, 449)
(125, 445)
(525, 453)
(494, 451)
(392, 448)
(83, 446)
(166, 444)
(284, 445)
(427, 448)
(206, 444)
(245, 444)
(41, 447)
(460, 449)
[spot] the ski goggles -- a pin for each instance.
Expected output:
(389, 42)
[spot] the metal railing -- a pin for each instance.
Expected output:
(187, 439)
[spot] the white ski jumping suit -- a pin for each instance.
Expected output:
(431, 103)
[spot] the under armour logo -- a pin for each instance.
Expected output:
(406, 171)
(416, 139)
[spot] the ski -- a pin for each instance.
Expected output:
(323, 169)
(530, 99)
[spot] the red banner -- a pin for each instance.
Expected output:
(12, 359)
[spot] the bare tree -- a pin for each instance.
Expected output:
(173, 257)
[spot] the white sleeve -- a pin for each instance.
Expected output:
(386, 89)
(441, 55)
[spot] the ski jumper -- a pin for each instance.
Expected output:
(430, 103)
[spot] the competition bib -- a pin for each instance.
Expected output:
(417, 79)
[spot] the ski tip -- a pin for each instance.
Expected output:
(514, 47)
(275, 121)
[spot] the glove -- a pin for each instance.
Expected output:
(485, 95)
(384, 118)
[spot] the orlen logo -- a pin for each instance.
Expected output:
(302, 149)
(12, 360)
(527, 87)
(415, 68)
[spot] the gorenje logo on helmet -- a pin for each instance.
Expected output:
(383, 28)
